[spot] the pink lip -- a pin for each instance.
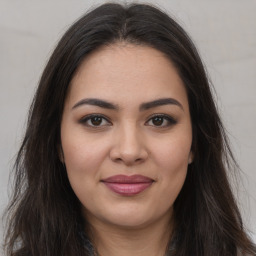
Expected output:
(128, 185)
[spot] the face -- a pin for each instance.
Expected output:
(126, 136)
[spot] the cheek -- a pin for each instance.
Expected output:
(83, 162)
(172, 153)
(83, 159)
(171, 159)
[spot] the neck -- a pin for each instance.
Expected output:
(149, 240)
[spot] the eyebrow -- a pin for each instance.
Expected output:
(160, 102)
(96, 102)
(144, 106)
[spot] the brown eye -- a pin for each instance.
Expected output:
(161, 121)
(157, 121)
(95, 121)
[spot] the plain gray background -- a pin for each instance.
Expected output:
(223, 30)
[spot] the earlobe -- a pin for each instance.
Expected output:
(191, 157)
(61, 154)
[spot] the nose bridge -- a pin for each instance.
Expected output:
(129, 139)
(129, 147)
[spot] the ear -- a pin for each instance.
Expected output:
(190, 157)
(61, 154)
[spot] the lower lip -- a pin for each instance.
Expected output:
(128, 189)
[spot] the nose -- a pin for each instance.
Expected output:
(129, 147)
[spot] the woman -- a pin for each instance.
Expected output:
(124, 152)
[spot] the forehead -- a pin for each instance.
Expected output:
(123, 71)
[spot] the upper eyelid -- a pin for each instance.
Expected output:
(169, 118)
(161, 115)
(87, 117)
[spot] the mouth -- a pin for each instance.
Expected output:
(128, 185)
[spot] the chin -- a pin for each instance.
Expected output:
(129, 222)
(128, 218)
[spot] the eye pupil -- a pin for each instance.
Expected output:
(158, 121)
(97, 120)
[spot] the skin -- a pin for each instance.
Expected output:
(128, 140)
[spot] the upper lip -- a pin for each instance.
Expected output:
(124, 179)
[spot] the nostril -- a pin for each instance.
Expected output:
(128, 150)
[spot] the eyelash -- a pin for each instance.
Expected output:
(170, 120)
(166, 118)
(85, 120)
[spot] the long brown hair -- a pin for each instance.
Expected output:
(44, 213)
